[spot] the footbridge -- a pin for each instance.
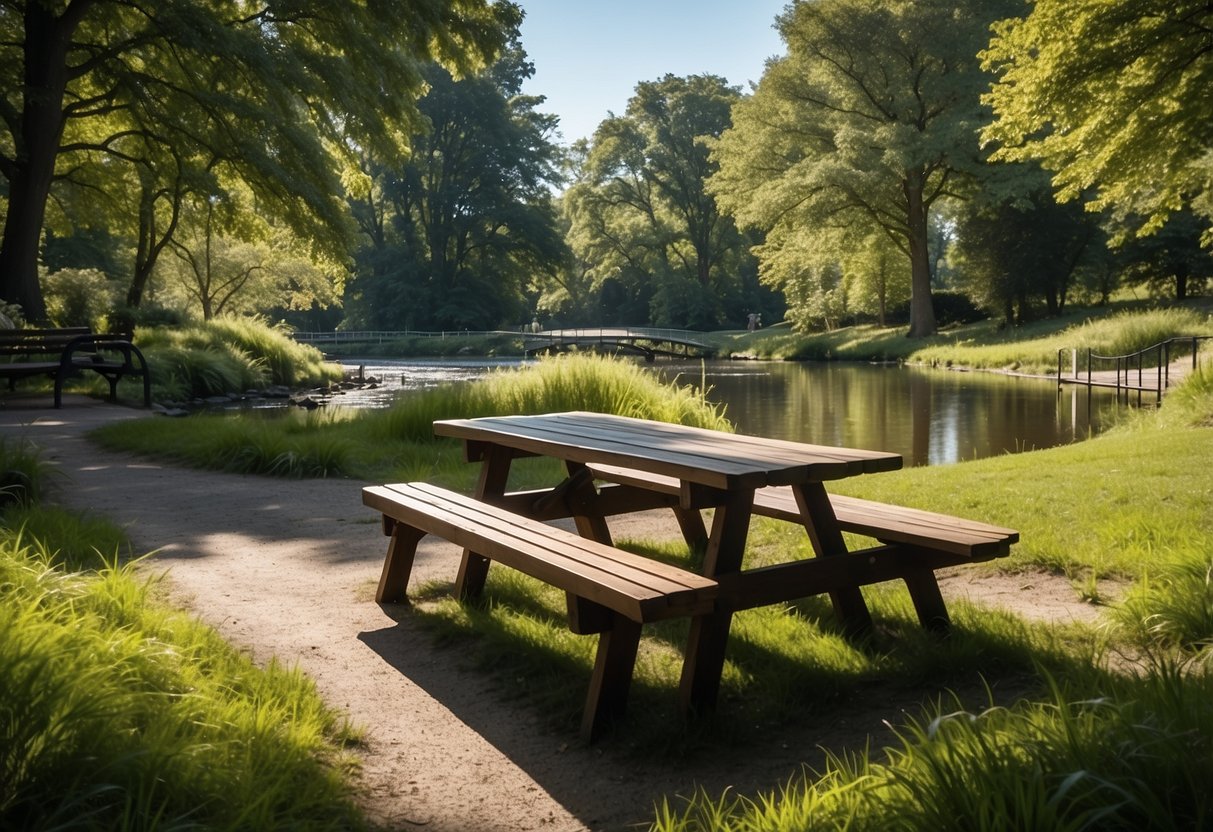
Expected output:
(1153, 370)
(647, 341)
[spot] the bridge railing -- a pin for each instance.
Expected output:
(380, 336)
(1145, 371)
(638, 332)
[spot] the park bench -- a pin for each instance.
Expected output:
(608, 591)
(916, 542)
(65, 352)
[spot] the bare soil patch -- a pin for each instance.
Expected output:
(287, 569)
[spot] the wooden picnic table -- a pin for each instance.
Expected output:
(712, 469)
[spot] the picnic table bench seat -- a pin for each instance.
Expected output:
(973, 540)
(609, 591)
(915, 543)
(63, 352)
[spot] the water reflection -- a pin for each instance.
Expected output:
(931, 417)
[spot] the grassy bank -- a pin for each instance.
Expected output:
(986, 345)
(228, 355)
(119, 713)
(398, 443)
(1115, 329)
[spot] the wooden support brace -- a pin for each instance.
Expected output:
(827, 540)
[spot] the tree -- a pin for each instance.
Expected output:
(1171, 261)
(1010, 253)
(1110, 96)
(640, 211)
(224, 266)
(456, 233)
(270, 94)
(867, 122)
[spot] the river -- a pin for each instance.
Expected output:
(931, 417)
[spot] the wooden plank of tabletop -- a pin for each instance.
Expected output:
(782, 462)
(743, 445)
(580, 445)
(713, 458)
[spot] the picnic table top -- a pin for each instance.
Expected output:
(697, 455)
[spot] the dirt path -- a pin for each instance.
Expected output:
(287, 569)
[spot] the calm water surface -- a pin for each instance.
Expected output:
(931, 417)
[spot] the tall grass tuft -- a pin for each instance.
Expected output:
(68, 540)
(228, 355)
(571, 382)
(119, 714)
(1191, 403)
(1127, 332)
(1139, 756)
(1173, 608)
(24, 475)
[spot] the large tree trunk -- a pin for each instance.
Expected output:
(922, 309)
(45, 55)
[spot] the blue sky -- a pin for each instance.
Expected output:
(590, 54)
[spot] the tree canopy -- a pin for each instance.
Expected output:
(640, 212)
(171, 97)
(868, 121)
(1113, 98)
(455, 234)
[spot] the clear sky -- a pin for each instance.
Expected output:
(590, 54)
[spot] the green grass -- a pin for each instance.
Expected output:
(986, 345)
(119, 713)
(788, 666)
(398, 443)
(1124, 743)
(24, 475)
(1114, 506)
(1139, 755)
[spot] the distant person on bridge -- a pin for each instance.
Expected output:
(535, 324)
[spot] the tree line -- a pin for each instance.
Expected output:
(379, 166)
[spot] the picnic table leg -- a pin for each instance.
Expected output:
(819, 521)
(612, 676)
(928, 601)
(401, 550)
(494, 471)
(709, 635)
